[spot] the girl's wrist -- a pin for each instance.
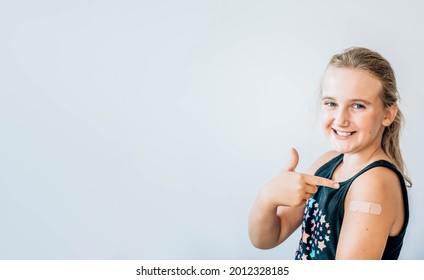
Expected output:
(267, 198)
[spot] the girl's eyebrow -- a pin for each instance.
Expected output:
(361, 100)
(366, 102)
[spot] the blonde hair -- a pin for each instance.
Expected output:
(379, 67)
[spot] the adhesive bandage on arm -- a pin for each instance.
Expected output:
(365, 207)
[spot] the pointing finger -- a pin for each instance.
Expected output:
(320, 181)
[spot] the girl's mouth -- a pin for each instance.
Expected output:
(343, 133)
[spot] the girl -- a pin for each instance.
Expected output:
(355, 206)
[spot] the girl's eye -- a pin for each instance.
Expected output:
(358, 106)
(330, 104)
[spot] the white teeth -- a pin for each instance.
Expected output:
(342, 133)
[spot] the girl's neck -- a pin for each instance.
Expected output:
(364, 158)
(353, 163)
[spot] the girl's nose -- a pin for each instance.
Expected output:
(341, 118)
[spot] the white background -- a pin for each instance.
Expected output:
(145, 129)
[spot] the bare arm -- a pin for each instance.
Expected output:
(269, 224)
(364, 235)
(278, 209)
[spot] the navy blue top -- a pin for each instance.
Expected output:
(324, 212)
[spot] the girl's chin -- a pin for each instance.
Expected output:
(341, 150)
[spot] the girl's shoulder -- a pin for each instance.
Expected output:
(323, 159)
(376, 182)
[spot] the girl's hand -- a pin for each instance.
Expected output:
(291, 188)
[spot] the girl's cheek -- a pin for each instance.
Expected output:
(326, 118)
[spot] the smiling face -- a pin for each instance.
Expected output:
(353, 115)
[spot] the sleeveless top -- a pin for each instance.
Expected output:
(324, 212)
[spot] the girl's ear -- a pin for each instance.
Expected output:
(390, 115)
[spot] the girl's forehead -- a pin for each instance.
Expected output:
(350, 83)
